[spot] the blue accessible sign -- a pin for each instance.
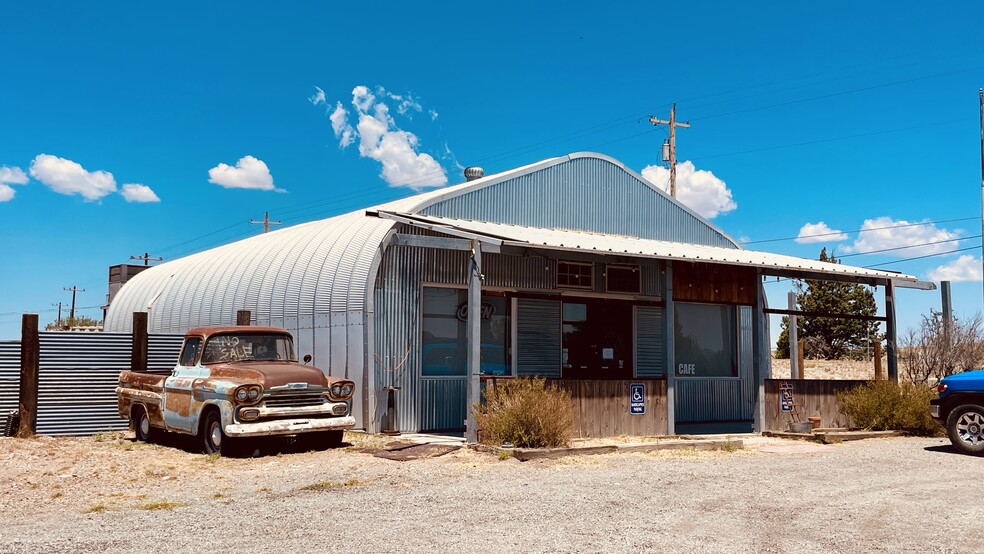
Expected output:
(637, 398)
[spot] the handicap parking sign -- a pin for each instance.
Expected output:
(637, 398)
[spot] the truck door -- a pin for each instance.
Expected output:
(178, 388)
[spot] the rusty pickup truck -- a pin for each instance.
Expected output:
(234, 383)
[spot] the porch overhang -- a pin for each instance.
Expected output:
(565, 240)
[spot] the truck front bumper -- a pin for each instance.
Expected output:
(934, 410)
(289, 426)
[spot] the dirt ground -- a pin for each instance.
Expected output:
(111, 494)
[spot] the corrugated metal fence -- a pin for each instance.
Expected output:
(9, 379)
(77, 378)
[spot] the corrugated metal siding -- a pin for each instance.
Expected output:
(745, 360)
(539, 337)
(649, 341)
(723, 399)
(652, 279)
(587, 194)
(78, 373)
(9, 379)
(709, 400)
(442, 403)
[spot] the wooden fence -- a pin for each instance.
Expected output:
(602, 406)
(813, 397)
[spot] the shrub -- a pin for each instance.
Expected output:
(886, 405)
(526, 413)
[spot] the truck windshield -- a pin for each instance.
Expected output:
(245, 347)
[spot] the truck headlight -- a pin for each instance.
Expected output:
(247, 393)
(342, 390)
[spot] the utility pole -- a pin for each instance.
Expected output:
(58, 321)
(266, 222)
(673, 124)
(71, 313)
(980, 93)
(146, 258)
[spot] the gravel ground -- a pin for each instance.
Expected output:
(110, 494)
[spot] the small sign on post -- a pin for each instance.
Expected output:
(786, 399)
(637, 398)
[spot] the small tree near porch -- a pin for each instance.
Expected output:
(826, 337)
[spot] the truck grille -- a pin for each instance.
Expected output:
(294, 400)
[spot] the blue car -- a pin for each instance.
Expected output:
(960, 408)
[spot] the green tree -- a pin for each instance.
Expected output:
(69, 322)
(826, 337)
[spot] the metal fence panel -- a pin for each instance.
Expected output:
(9, 379)
(78, 377)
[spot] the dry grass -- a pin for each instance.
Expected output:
(162, 505)
(331, 485)
(830, 369)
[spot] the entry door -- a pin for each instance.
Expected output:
(597, 340)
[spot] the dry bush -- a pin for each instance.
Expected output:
(936, 349)
(888, 406)
(526, 413)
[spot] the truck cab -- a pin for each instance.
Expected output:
(234, 383)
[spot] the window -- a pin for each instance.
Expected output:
(622, 278)
(444, 345)
(247, 347)
(706, 340)
(190, 352)
(575, 275)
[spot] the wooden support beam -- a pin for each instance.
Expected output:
(243, 317)
(138, 343)
(825, 314)
(27, 404)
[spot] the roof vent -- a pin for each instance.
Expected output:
(474, 172)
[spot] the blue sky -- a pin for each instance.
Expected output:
(127, 129)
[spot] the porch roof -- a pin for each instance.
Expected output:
(581, 241)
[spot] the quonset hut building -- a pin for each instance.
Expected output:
(588, 275)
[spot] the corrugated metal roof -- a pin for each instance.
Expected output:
(568, 240)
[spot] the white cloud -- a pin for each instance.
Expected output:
(340, 125)
(67, 177)
(12, 176)
(882, 233)
(433, 114)
(700, 190)
(380, 139)
(318, 98)
(249, 173)
(964, 268)
(134, 192)
(819, 232)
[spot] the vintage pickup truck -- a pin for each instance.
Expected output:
(233, 383)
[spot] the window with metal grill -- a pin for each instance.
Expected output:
(575, 275)
(622, 278)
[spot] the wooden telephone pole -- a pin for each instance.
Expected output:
(71, 313)
(673, 124)
(266, 222)
(146, 258)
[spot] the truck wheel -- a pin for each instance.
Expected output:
(214, 440)
(966, 429)
(141, 425)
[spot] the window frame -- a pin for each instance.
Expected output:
(629, 267)
(591, 269)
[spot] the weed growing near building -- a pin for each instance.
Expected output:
(888, 406)
(527, 413)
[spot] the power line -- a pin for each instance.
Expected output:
(908, 246)
(834, 233)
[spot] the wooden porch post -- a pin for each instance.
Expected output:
(27, 404)
(138, 343)
(760, 354)
(890, 332)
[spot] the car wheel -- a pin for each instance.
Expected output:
(214, 440)
(966, 429)
(141, 425)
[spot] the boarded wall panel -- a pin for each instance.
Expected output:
(441, 406)
(813, 397)
(9, 379)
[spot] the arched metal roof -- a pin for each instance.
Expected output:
(327, 266)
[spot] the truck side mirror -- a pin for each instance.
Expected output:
(307, 358)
